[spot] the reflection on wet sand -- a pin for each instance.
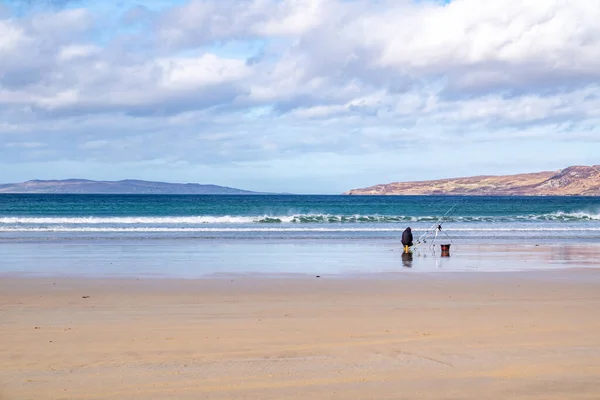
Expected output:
(500, 257)
(558, 253)
(407, 259)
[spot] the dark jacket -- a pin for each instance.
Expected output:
(407, 237)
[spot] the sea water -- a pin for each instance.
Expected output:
(198, 235)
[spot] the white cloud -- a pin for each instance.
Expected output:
(60, 24)
(499, 42)
(294, 17)
(11, 37)
(340, 52)
(203, 21)
(71, 52)
(350, 77)
(192, 73)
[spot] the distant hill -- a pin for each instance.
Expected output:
(571, 181)
(128, 186)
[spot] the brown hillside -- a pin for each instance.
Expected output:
(571, 181)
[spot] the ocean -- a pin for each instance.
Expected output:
(174, 234)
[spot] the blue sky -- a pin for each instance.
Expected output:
(302, 96)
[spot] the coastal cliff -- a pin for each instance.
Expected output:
(571, 181)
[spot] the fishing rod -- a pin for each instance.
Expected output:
(436, 228)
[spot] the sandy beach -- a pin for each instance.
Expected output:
(524, 335)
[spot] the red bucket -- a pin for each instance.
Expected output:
(445, 250)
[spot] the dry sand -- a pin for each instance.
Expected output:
(420, 336)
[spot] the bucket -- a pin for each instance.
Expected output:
(445, 250)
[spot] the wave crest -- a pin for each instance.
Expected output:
(291, 219)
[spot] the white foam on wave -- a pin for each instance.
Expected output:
(171, 220)
(280, 229)
(290, 219)
(579, 215)
(209, 219)
(165, 229)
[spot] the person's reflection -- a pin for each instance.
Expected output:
(407, 259)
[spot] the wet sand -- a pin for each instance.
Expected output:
(524, 335)
(190, 259)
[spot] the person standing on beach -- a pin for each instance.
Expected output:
(407, 239)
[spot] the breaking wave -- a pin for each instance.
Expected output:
(290, 219)
(287, 229)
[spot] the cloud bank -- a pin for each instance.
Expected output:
(302, 95)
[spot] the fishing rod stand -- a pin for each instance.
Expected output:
(445, 248)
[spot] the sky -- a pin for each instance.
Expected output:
(299, 96)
